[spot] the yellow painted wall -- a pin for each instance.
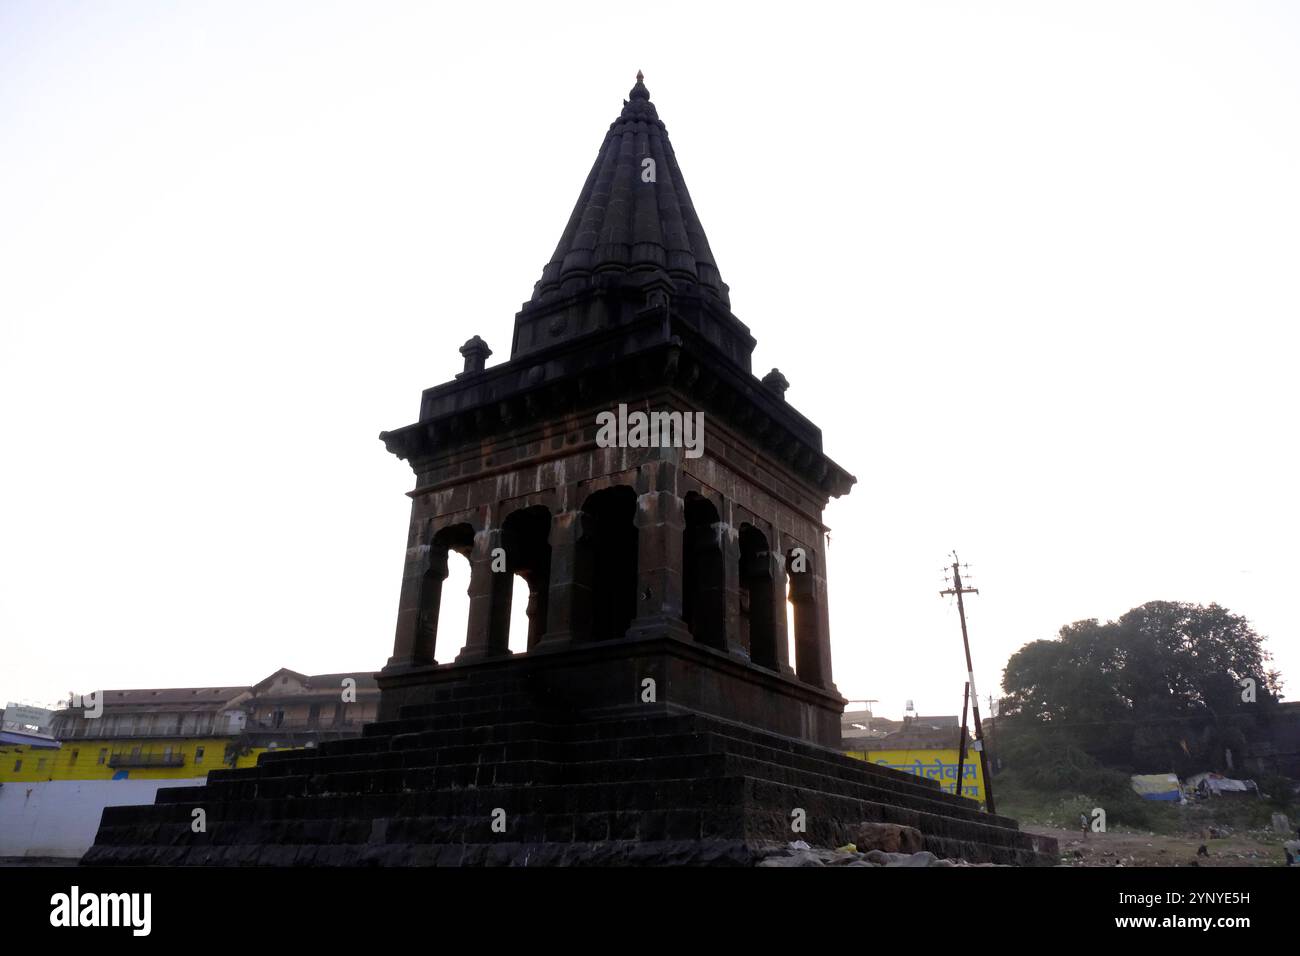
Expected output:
(938, 765)
(40, 764)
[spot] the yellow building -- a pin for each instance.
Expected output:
(939, 764)
(182, 733)
(926, 747)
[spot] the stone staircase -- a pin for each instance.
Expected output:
(493, 772)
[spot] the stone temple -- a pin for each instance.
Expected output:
(662, 713)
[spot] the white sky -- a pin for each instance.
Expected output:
(1031, 267)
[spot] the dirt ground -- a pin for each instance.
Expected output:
(37, 861)
(1129, 848)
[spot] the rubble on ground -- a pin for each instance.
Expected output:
(799, 853)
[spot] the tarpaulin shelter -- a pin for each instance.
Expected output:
(1217, 785)
(1157, 786)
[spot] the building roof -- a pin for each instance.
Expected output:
(918, 733)
(623, 224)
(191, 696)
(332, 681)
(151, 699)
(320, 683)
(920, 738)
(34, 741)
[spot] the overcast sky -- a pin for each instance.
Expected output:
(1031, 267)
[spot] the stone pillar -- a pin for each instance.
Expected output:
(806, 635)
(538, 579)
(709, 568)
(737, 639)
(779, 623)
(660, 523)
(812, 627)
(764, 579)
(489, 602)
(429, 606)
(409, 647)
(823, 629)
(568, 604)
(536, 614)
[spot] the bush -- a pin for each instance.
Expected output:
(1279, 793)
(1043, 764)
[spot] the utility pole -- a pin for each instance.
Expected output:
(958, 590)
(961, 746)
(993, 731)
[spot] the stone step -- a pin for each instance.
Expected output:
(658, 724)
(454, 770)
(729, 807)
(860, 773)
(482, 711)
(434, 748)
(438, 773)
(584, 754)
(522, 772)
(861, 790)
(462, 690)
(600, 747)
(783, 751)
(519, 762)
(475, 730)
(347, 817)
(831, 819)
(475, 703)
(475, 717)
(719, 852)
(406, 756)
(820, 759)
(564, 827)
(489, 777)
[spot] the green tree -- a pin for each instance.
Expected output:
(1158, 689)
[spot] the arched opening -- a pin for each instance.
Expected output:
(703, 573)
(606, 565)
(519, 623)
(444, 591)
(757, 598)
(805, 643)
(525, 537)
(789, 625)
(453, 619)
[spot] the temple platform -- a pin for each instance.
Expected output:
(493, 769)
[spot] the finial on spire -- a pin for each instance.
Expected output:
(639, 92)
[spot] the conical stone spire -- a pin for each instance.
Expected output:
(634, 218)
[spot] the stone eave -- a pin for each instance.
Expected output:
(577, 374)
(686, 296)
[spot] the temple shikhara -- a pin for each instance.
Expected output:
(665, 710)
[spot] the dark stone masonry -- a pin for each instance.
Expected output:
(659, 715)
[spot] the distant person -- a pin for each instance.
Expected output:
(1083, 824)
